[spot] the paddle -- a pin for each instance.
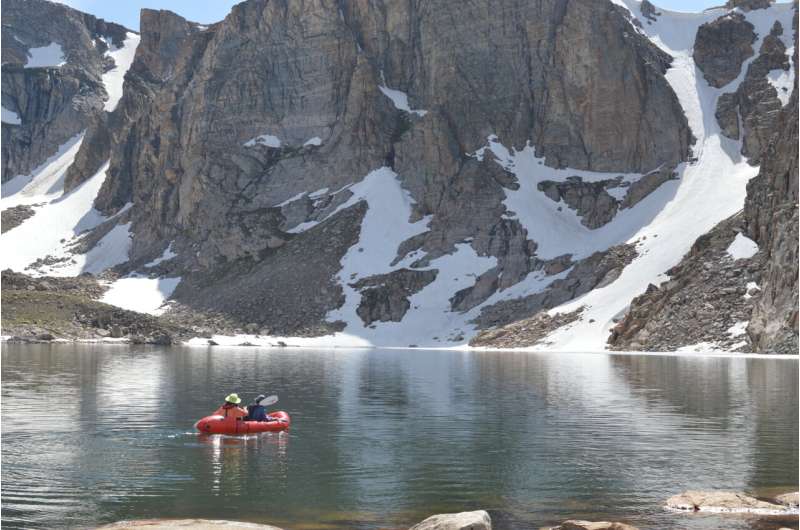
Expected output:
(269, 400)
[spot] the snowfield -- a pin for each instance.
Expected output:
(114, 78)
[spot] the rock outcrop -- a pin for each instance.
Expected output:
(722, 46)
(755, 103)
(722, 501)
(57, 98)
(771, 218)
(748, 5)
(708, 299)
(478, 520)
(385, 297)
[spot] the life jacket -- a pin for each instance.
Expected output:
(256, 413)
(229, 410)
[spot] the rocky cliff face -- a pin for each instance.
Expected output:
(54, 59)
(313, 82)
(391, 169)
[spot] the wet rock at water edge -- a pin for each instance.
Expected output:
(788, 499)
(589, 525)
(723, 501)
(477, 520)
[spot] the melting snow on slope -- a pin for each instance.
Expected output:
(138, 293)
(742, 247)
(46, 56)
(111, 250)
(709, 190)
(114, 78)
(555, 227)
(738, 329)
(265, 139)
(167, 255)
(9, 116)
(400, 100)
(62, 218)
(45, 182)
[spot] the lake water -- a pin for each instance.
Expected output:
(382, 439)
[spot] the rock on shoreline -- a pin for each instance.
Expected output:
(589, 525)
(478, 520)
(731, 502)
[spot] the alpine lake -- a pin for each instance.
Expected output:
(93, 434)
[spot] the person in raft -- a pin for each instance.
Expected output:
(256, 411)
(231, 408)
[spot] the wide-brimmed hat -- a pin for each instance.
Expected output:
(233, 398)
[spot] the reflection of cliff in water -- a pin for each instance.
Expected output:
(727, 394)
(698, 387)
(773, 391)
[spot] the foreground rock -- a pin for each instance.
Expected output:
(723, 501)
(589, 525)
(195, 524)
(789, 499)
(478, 520)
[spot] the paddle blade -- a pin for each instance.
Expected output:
(267, 401)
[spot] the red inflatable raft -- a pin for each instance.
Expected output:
(222, 425)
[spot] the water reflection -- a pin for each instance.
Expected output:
(387, 437)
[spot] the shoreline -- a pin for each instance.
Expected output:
(6, 339)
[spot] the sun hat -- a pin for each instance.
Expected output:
(233, 398)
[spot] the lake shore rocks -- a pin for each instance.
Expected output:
(477, 520)
(590, 525)
(729, 502)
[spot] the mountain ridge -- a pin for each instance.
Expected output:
(273, 166)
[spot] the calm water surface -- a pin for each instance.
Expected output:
(381, 439)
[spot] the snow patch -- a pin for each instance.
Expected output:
(53, 227)
(556, 228)
(141, 294)
(46, 181)
(400, 100)
(111, 250)
(738, 329)
(114, 78)
(50, 56)
(783, 81)
(168, 254)
(9, 116)
(751, 286)
(317, 141)
(265, 139)
(742, 247)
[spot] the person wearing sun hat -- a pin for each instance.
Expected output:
(231, 408)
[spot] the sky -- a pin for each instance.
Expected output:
(126, 12)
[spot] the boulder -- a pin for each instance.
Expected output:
(478, 520)
(722, 501)
(788, 499)
(589, 525)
